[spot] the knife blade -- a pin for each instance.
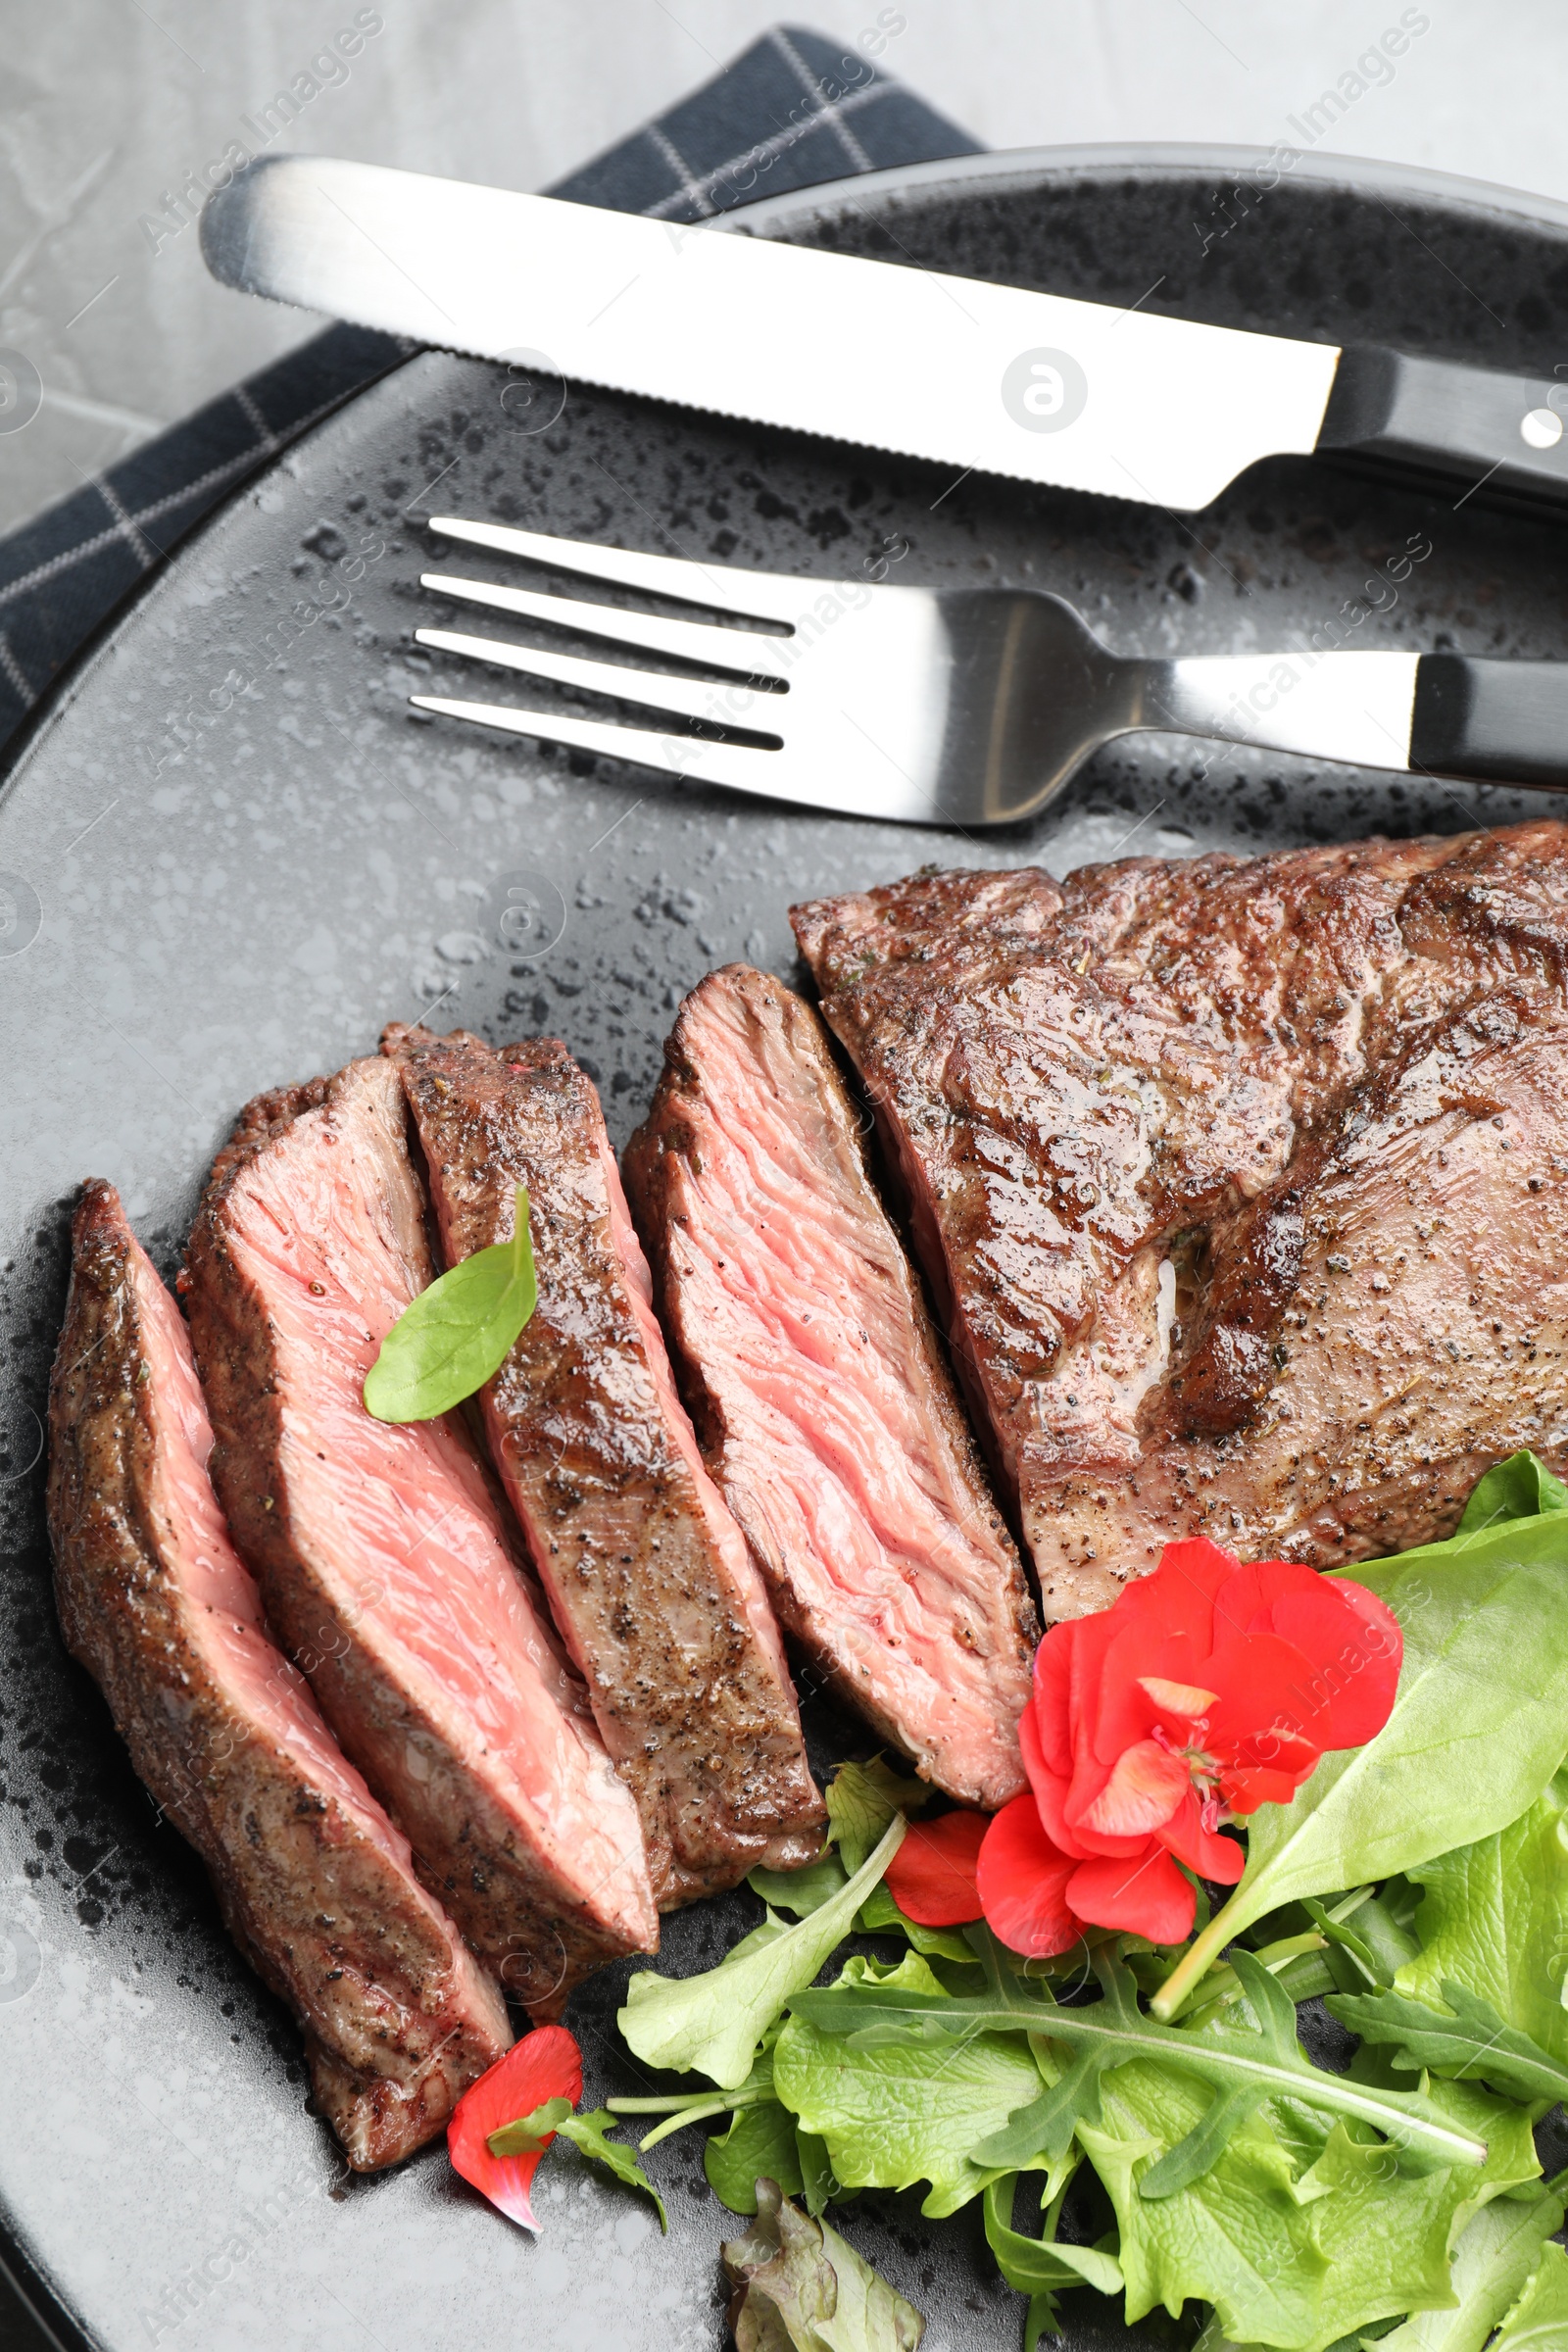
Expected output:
(1042, 388)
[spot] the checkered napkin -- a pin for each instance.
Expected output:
(792, 109)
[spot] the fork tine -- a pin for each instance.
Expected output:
(733, 706)
(689, 640)
(759, 595)
(731, 763)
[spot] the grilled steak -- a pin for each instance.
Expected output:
(819, 1390)
(381, 1550)
(1229, 1238)
(651, 1585)
(316, 1885)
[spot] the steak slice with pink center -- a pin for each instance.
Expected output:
(1160, 1124)
(316, 1885)
(654, 1589)
(382, 1551)
(819, 1388)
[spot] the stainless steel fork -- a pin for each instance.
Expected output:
(951, 706)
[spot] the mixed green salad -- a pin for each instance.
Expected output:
(1141, 2121)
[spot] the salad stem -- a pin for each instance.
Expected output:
(1193, 1962)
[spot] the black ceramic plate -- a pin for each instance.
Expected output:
(227, 855)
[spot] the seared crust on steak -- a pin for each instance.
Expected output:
(819, 1387)
(1133, 1108)
(382, 1551)
(650, 1579)
(316, 1885)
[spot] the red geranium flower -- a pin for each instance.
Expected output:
(1205, 1691)
(545, 2063)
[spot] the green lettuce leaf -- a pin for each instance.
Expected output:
(1291, 2257)
(1493, 2263)
(1519, 1488)
(908, 2111)
(862, 1799)
(1466, 2039)
(1539, 2320)
(1494, 1918)
(760, 2144)
(1478, 1730)
(711, 2024)
(801, 2287)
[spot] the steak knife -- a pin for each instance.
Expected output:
(1041, 387)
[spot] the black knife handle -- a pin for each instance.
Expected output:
(1498, 722)
(1467, 425)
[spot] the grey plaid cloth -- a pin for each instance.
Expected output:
(792, 109)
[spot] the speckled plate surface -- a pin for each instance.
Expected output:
(227, 855)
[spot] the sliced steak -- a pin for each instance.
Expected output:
(316, 1885)
(382, 1552)
(652, 1588)
(820, 1390)
(1116, 1101)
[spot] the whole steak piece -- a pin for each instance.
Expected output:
(650, 1579)
(382, 1552)
(1229, 1240)
(316, 1885)
(820, 1390)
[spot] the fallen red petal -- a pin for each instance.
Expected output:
(546, 2064)
(932, 1875)
(1148, 1897)
(1021, 1877)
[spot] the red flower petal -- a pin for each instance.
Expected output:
(1150, 1897)
(1021, 1877)
(1354, 1644)
(1245, 1789)
(1051, 1698)
(1247, 1604)
(1182, 1591)
(1269, 1710)
(545, 2063)
(1050, 1796)
(1144, 1788)
(1204, 1850)
(931, 1878)
(1184, 1700)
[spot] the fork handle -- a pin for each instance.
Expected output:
(1496, 722)
(1493, 722)
(1504, 434)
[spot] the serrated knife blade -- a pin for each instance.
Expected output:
(1126, 403)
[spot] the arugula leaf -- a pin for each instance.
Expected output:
(529, 2133)
(1493, 2263)
(1539, 2320)
(909, 2111)
(801, 2287)
(1469, 2042)
(711, 2024)
(1478, 1729)
(456, 1335)
(1494, 1918)
(862, 1799)
(1291, 2257)
(1238, 2067)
